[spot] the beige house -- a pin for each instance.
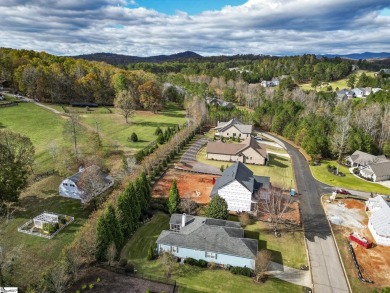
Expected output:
(248, 152)
(233, 128)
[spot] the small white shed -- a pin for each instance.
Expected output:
(45, 218)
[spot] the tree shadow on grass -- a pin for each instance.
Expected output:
(154, 124)
(277, 162)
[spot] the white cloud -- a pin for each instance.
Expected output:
(70, 27)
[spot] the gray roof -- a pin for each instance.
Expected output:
(380, 169)
(205, 234)
(238, 171)
(243, 128)
(76, 177)
(364, 159)
(220, 147)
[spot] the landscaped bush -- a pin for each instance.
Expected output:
(129, 268)
(241, 271)
(134, 137)
(122, 262)
(50, 228)
(193, 262)
(213, 265)
(245, 219)
(356, 171)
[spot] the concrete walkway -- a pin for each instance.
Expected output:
(291, 275)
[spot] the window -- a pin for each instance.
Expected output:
(65, 184)
(227, 133)
(174, 249)
(234, 134)
(71, 185)
(211, 254)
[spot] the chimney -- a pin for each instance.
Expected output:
(183, 220)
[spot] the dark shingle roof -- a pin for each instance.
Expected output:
(238, 171)
(381, 169)
(211, 235)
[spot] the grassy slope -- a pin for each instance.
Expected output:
(349, 181)
(279, 169)
(144, 123)
(194, 278)
(37, 253)
(34, 121)
(342, 83)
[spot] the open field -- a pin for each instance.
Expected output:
(279, 168)
(113, 127)
(349, 181)
(202, 280)
(196, 186)
(38, 254)
(342, 83)
(33, 121)
(374, 262)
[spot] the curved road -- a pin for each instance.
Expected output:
(325, 264)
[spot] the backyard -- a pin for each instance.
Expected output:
(206, 280)
(38, 254)
(349, 181)
(279, 168)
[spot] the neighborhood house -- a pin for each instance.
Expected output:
(220, 103)
(375, 168)
(379, 220)
(212, 240)
(70, 186)
(249, 151)
(237, 186)
(233, 128)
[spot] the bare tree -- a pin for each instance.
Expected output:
(187, 204)
(72, 128)
(262, 262)
(73, 260)
(273, 204)
(111, 254)
(385, 126)
(57, 279)
(91, 182)
(125, 102)
(340, 137)
(167, 260)
(8, 258)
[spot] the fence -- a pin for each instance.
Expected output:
(143, 276)
(22, 230)
(357, 266)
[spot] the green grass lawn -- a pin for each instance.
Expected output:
(34, 121)
(37, 253)
(341, 83)
(113, 127)
(349, 181)
(193, 278)
(279, 169)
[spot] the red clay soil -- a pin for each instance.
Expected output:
(197, 186)
(374, 262)
(291, 214)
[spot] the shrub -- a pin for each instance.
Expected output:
(90, 286)
(212, 266)
(222, 168)
(158, 131)
(129, 268)
(241, 271)
(83, 286)
(245, 219)
(193, 262)
(50, 228)
(150, 255)
(122, 262)
(134, 137)
(98, 280)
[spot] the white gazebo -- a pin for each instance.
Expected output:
(45, 218)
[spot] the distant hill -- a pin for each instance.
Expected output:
(357, 56)
(117, 59)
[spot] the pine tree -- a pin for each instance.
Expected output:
(158, 131)
(103, 238)
(115, 230)
(135, 203)
(125, 214)
(174, 198)
(141, 194)
(217, 208)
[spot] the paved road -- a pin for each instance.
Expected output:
(326, 268)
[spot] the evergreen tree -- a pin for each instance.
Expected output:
(135, 203)
(125, 212)
(116, 235)
(160, 138)
(103, 238)
(141, 194)
(134, 137)
(174, 198)
(217, 208)
(158, 131)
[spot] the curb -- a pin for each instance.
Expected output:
(338, 250)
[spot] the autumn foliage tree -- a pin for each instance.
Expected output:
(151, 97)
(125, 102)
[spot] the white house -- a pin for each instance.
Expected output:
(233, 128)
(379, 220)
(212, 240)
(237, 186)
(70, 186)
(376, 171)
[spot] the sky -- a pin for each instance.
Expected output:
(207, 27)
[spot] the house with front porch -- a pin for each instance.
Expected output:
(232, 129)
(213, 240)
(249, 152)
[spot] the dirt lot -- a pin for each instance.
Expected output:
(114, 282)
(375, 262)
(197, 186)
